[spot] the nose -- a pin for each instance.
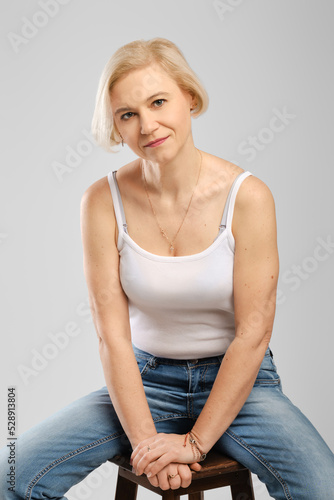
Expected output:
(147, 123)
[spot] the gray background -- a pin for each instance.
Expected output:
(256, 58)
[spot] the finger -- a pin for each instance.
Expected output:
(148, 460)
(147, 454)
(154, 481)
(169, 478)
(149, 442)
(196, 466)
(156, 467)
(139, 451)
(185, 475)
(174, 482)
(163, 480)
(144, 457)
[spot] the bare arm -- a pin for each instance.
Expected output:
(109, 309)
(256, 268)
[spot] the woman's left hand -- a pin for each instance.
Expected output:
(156, 452)
(173, 476)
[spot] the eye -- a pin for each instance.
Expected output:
(126, 116)
(159, 102)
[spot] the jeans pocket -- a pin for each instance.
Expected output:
(146, 364)
(267, 374)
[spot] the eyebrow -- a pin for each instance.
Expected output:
(120, 110)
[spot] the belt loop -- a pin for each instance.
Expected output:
(153, 362)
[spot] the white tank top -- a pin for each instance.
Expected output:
(180, 307)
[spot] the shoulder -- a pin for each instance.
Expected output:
(254, 208)
(98, 194)
(253, 193)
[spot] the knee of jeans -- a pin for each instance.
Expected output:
(16, 480)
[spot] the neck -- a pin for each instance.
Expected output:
(176, 176)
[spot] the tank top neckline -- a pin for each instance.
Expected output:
(224, 229)
(175, 258)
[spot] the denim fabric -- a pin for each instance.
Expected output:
(270, 435)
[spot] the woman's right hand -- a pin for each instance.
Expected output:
(173, 476)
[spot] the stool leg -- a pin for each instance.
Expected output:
(244, 489)
(196, 496)
(125, 489)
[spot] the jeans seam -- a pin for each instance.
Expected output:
(264, 462)
(183, 363)
(265, 381)
(191, 398)
(63, 459)
(170, 415)
(203, 381)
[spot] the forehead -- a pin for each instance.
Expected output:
(139, 84)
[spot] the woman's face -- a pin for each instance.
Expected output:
(147, 104)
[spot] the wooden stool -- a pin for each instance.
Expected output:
(217, 471)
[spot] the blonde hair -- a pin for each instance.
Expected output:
(136, 55)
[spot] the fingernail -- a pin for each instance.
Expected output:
(149, 474)
(131, 462)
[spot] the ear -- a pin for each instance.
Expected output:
(193, 102)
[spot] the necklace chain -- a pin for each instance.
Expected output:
(163, 232)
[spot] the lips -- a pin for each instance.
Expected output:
(156, 142)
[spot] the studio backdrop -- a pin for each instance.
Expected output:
(267, 67)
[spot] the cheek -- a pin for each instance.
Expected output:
(128, 129)
(179, 116)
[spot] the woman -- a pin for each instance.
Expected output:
(181, 263)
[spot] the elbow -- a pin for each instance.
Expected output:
(104, 350)
(254, 341)
(114, 346)
(264, 342)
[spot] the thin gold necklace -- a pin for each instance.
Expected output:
(163, 232)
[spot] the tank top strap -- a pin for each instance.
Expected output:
(118, 207)
(230, 201)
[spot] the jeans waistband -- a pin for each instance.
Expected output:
(180, 362)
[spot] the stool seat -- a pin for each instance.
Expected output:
(217, 470)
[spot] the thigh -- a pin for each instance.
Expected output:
(277, 442)
(64, 448)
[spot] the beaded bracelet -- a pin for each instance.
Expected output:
(199, 456)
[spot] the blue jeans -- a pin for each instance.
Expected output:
(270, 435)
